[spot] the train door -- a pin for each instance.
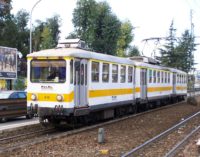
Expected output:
(174, 83)
(80, 91)
(143, 83)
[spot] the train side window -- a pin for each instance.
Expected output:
(123, 74)
(130, 74)
(95, 72)
(177, 78)
(82, 74)
(162, 77)
(85, 74)
(71, 71)
(114, 73)
(168, 77)
(105, 72)
(150, 76)
(181, 78)
(165, 77)
(158, 76)
(154, 76)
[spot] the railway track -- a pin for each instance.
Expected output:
(157, 141)
(57, 135)
(19, 140)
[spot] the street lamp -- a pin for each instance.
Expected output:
(30, 51)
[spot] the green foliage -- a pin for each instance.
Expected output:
(19, 84)
(185, 48)
(46, 34)
(47, 39)
(168, 55)
(133, 51)
(125, 38)
(22, 42)
(5, 8)
(178, 54)
(97, 25)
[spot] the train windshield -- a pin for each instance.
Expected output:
(48, 71)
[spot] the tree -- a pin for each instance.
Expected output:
(96, 25)
(178, 53)
(54, 24)
(107, 30)
(185, 48)
(125, 38)
(168, 55)
(133, 51)
(46, 34)
(47, 39)
(5, 8)
(22, 42)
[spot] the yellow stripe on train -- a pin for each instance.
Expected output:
(100, 93)
(109, 92)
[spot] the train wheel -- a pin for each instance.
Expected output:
(29, 116)
(3, 120)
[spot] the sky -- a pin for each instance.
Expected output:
(151, 18)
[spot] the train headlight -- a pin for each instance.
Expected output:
(33, 97)
(59, 97)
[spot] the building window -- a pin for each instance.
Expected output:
(71, 71)
(130, 74)
(114, 73)
(105, 72)
(150, 76)
(95, 72)
(162, 76)
(123, 74)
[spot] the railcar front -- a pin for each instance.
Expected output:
(49, 87)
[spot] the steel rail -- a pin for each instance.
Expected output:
(174, 150)
(165, 133)
(26, 134)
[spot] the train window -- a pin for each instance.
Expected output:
(130, 74)
(150, 76)
(165, 77)
(71, 71)
(82, 74)
(177, 78)
(168, 77)
(85, 74)
(114, 73)
(154, 76)
(105, 72)
(123, 74)
(182, 79)
(46, 71)
(95, 72)
(158, 76)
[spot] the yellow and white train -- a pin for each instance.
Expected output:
(70, 83)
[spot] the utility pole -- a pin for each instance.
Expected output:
(30, 38)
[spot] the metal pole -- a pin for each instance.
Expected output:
(30, 51)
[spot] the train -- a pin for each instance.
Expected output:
(72, 84)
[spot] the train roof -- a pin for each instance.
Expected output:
(160, 67)
(80, 53)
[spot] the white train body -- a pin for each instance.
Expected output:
(72, 82)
